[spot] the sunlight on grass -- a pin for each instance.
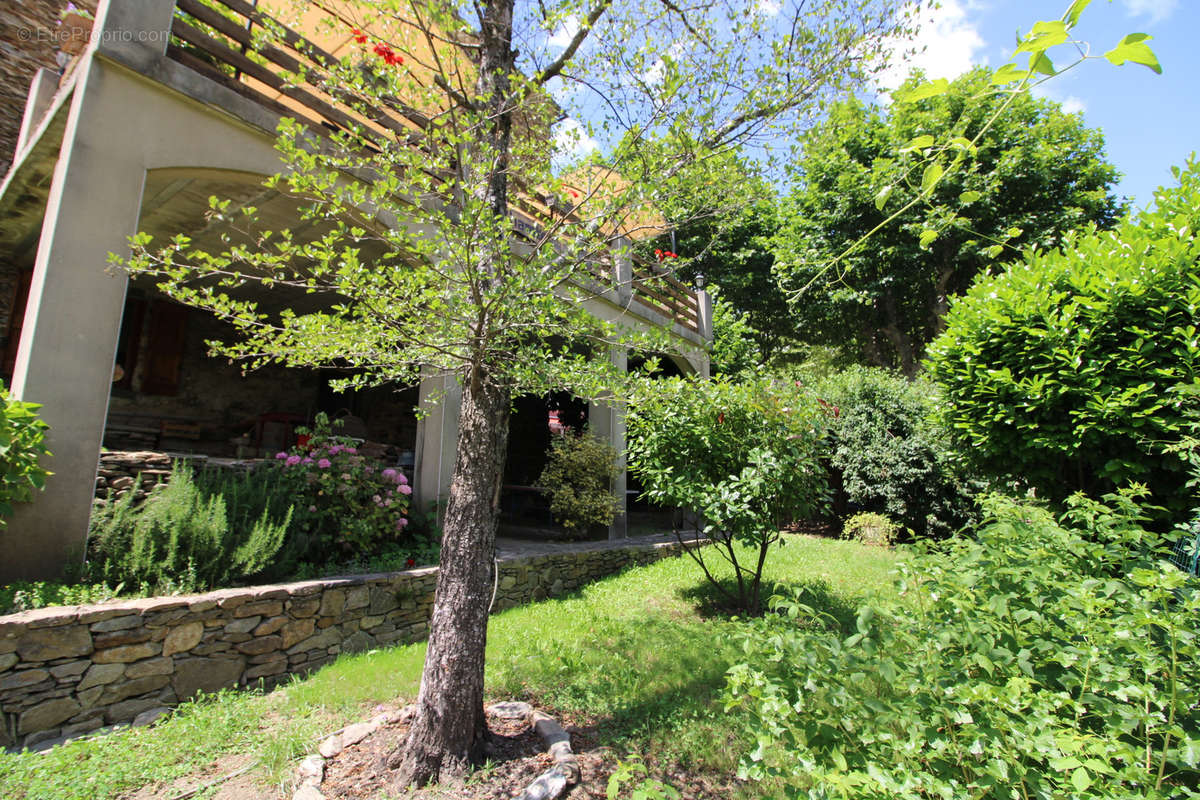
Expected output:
(632, 654)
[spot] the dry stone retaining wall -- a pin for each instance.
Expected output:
(70, 670)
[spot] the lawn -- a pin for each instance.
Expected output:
(636, 655)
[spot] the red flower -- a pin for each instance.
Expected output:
(410, 563)
(658, 254)
(573, 193)
(721, 418)
(359, 36)
(387, 54)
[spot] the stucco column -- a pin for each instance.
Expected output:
(606, 419)
(73, 316)
(437, 441)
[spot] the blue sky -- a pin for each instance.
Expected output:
(1150, 122)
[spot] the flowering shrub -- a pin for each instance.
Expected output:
(344, 502)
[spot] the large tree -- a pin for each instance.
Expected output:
(406, 231)
(1038, 173)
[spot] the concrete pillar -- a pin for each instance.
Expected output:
(437, 441)
(73, 317)
(705, 314)
(623, 260)
(606, 419)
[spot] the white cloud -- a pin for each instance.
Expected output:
(1073, 105)
(565, 32)
(947, 44)
(768, 8)
(571, 140)
(658, 69)
(1156, 10)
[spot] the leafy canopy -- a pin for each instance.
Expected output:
(1034, 175)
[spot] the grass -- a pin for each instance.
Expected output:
(634, 655)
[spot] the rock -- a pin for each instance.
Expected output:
(305, 607)
(243, 625)
(510, 710)
(128, 710)
(263, 644)
(296, 631)
(183, 638)
(272, 625)
(121, 483)
(88, 725)
(308, 792)
(100, 675)
(64, 671)
(103, 641)
(311, 770)
(47, 644)
(43, 740)
(331, 746)
(153, 666)
(147, 717)
(267, 669)
(358, 642)
(357, 597)
(265, 608)
(23, 678)
(353, 734)
(549, 785)
(124, 655)
(49, 714)
(7, 660)
(118, 692)
(333, 602)
(206, 674)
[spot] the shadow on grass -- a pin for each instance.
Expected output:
(816, 593)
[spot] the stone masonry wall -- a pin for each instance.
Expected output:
(70, 670)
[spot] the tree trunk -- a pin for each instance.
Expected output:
(449, 730)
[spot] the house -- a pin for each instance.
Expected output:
(134, 134)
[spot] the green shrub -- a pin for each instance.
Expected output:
(26, 595)
(889, 456)
(1044, 659)
(22, 443)
(186, 536)
(579, 474)
(1070, 370)
(871, 528)
(745, 457)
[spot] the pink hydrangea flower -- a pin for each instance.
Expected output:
(333, 451)
(405, 489)
(400, 523)
(351, 450)
(401, 479)
(307, 460)
(389, 474)
(293, 460)
(324, 463)
(279, 456)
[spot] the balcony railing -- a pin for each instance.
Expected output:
(290, 76)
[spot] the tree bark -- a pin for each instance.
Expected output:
(449, 730)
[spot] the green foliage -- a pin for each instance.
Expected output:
(185, 537)
(22, 444)
(1043, 659)
(1079, 369)
(870, 528)
(631, 780)
(26, 595)
(1035, 174)
(890, 456)
(579, 476)
(735, 350)
(745, 457)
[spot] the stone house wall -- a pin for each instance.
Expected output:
(70, 670)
